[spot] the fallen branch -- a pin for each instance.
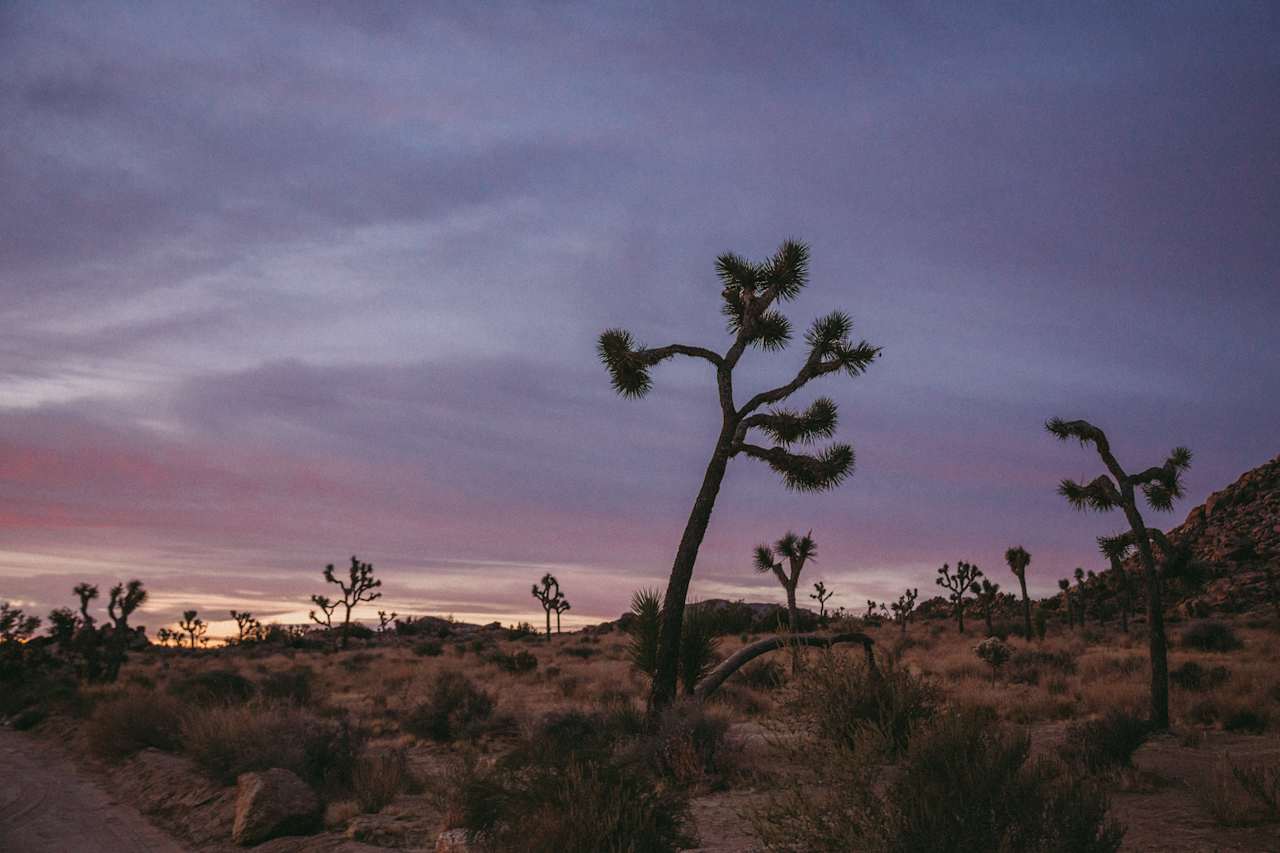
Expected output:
(712, 681)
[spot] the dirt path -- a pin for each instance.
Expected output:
(48, 805)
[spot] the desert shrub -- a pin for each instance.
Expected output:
(688, 744)
(358, 662)
(428, 648)
(213, 687)
(583, 652)
(1244, 720)
(1204, 712)
(1192, 676)
(994, 651)
(1211, 636)
(844, 701)
(1105, 743)
(965, 785)
(132, 721)
(1027, 666)
(295, 685)
(762, 675)
(229, 740)
(454, 708)
(378, 777)
(29, 718)
(521, 661)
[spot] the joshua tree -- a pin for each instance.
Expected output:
(385, 621)
(822, 595)
(193, 625)
(547, 591)
(1160, 486)
(749, 292)
(15, 625)
(359, 587)
(987, 593)
(246, 625)
(125, 598)
(86, 593)
(964, 580)
(903, 607)
(562, 606)
(1082, 596)
(1065, 586)
(796, 550)
(1018, 559)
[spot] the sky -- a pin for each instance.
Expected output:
(283, 283)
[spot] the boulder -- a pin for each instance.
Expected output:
(273, 803)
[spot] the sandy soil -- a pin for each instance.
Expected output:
(49, 804)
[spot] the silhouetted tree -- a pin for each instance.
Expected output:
(987, 592)
(547, 591)
(1065, 586)
(125, 598)
(964, 580)
(385, 621)
(561, 606)
(86, 593)
(359, 587)
(1018, 559)
(796, 550)
(750, 292)
(822, 595)
(903, 607)
(1116, 489)
(246, 626)
(193, 625)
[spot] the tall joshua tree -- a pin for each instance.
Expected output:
(547, 591)
(1117, 489)
(359, 587)
(796, 550)
(964, 580)
(1018, 559)
(903, 607)
(821, 595)
(750, 293)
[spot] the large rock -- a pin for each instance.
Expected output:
(273, 803)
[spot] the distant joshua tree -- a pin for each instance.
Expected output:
(903, 607)
(796, 550)
(561, 606)
(547, 591)
(359, 588)
(125, 598)
(987, 593)
(822, 595)
(86, 593)
(246, 626)
(386, 621)
(750, 292)
(964, 580)
(193, 625)
(1018, 559)
(1082, 596)
(1116, 489)
(1065, 586)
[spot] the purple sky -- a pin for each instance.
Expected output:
(279, 285)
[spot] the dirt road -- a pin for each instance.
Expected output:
(48, 805)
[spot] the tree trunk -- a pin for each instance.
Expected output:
(960, 615)
(1026, 606)
(744, 655)
(668, 663)
(548, 623)
(793, 615)
(1157, 644)
(346, 624)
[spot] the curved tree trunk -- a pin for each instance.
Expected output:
(668, 663)
(712, 681)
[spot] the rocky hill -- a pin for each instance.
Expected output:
(1232, 539)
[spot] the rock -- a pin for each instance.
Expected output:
(452, 841)
(273, 803)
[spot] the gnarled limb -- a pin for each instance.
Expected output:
(746, 654)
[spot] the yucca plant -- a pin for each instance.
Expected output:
(644, 627)
(750, 294)
(796, 550)
(1117, 489)
(1018, 559)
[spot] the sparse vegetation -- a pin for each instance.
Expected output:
(453, 708)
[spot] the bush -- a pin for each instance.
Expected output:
(1027, 666)
(454, 708)
(583, 652)
(762, 675)
(428, 648)
(378, 777)
(845, 702)
(688, 743)
(1245, 720)
(965, 785)
(1211, 636)
(1192, 676)
(521, 661)
(290, 685)
(1106, 743)
(214, 687)
(132, 722)
(230, 740)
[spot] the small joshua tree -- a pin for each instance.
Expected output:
(193, 625)
(359, 587)
(86, 593)
(750, 294)
(547, 591)
(1018, 559)
(386, 621)
(822, 595)
(125, 598)
(1082, 596)
(987, 593)
(796, 550)
(246, 626)
(1065, 586)
(1160, 486)
(561, 606)
(964, 580)
(903, 607)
